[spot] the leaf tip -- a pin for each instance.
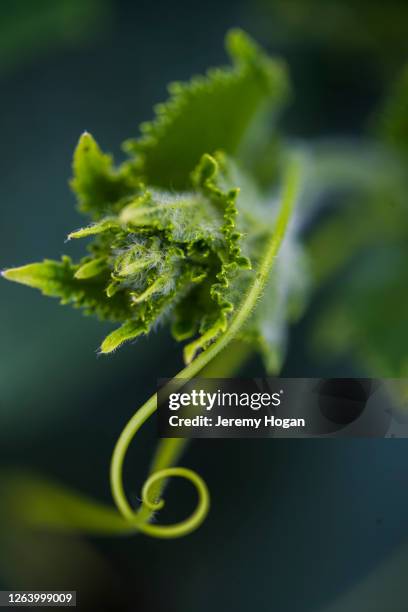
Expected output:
(86, 138)
(12, 274)
(239, 45)
(107, 347)
(189, 352)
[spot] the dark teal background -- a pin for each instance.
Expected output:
(294, 525)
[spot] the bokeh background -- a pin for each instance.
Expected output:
(295, 526)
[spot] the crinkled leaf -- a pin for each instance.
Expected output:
(202, 249)
(211, 177)
(209, 113)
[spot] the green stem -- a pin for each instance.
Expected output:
(151, 492)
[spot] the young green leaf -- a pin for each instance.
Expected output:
(58, 279)
(98, 186)
(209, 113)
(183, 259)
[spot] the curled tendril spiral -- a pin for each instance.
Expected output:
(189, 524)
(153, 486)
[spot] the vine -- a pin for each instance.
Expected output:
(180, 233)
(291, 186)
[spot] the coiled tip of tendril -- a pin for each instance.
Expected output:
(152, 503)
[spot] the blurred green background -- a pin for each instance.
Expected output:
(295, 526)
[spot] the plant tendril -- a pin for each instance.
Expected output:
(153, 487)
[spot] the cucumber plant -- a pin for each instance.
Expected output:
(202, 229)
